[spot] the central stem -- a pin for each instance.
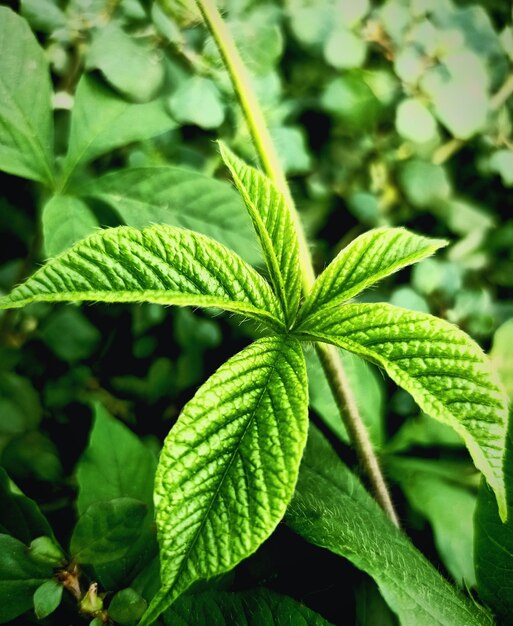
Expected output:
(270, 162)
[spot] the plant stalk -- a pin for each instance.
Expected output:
(271, 165)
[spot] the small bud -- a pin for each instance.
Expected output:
(91, 603)
(45, 550)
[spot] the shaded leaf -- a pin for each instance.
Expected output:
(66, 220)
(178, 197)
(443, 369)
(331, 509)
(159, 264)
(229, 465)
(26, 123)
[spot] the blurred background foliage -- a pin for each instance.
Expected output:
(383, 113)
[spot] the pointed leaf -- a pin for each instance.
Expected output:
(26, 123)
(159, 264)
(101, 120)
(274, 227)
(331, 509)
(229, 465)
(443, 369)
(256, 607)
(66, 220)
(363, 262)
(170, 195)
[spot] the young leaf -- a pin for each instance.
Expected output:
(331, 509)
(26, 123)
(274, 227)
(20, 576)
(367, 259)
(101, 120)
(106, 531)
(494, 545)
(178, 197)
(47, 598)
(66, 220)
(159, 264)
(255, 607)
(439, 365)
(229, 465)
(115, 464)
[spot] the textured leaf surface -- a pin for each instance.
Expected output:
(274, 227)
(229, 465)
(363, 262)
(26, 123)
(66, 220)
(257, 607)
(169, 195)
(159, 264)
(331, 509)
(101, 120)
(20, 576)
(494, 545)
(438, 364)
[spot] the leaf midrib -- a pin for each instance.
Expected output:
(228, 467)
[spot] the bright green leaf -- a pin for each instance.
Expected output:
(344, 49)
(494, 545)
(274, 226)
(352, 100)
(229, 465)
(43, 15)
(502, 356)
(178, 197)
(369, 258)
(130, 65)
(256, 607)
(424, 184)
(66, 220)
(20, 576)
(502, 163)
(101, 120)
(443, 369)
(47, 598)
(26, 123)
(331, 509)
(106, 530)
(159, 264)
(414, 121)
(430, 493)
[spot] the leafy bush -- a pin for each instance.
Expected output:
(391, 122)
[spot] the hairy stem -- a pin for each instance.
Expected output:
(330, 360)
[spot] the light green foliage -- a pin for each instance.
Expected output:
(502, 356)
(159, 264)
(197, 101)
(275, 229)
(448, 506)
(66, 220)
(352, 100)
(247, 608)
(424, 184)
(369, 258)
(178, 197)
(130, 65)
(331, 509)
(26, 124)
(20, 576)
(367, 389)
(444, 370)
(502, 163)
(414, 121)
(101, 120)
(47, 598)
(229, 466)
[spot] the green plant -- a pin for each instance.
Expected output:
(237, 460)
